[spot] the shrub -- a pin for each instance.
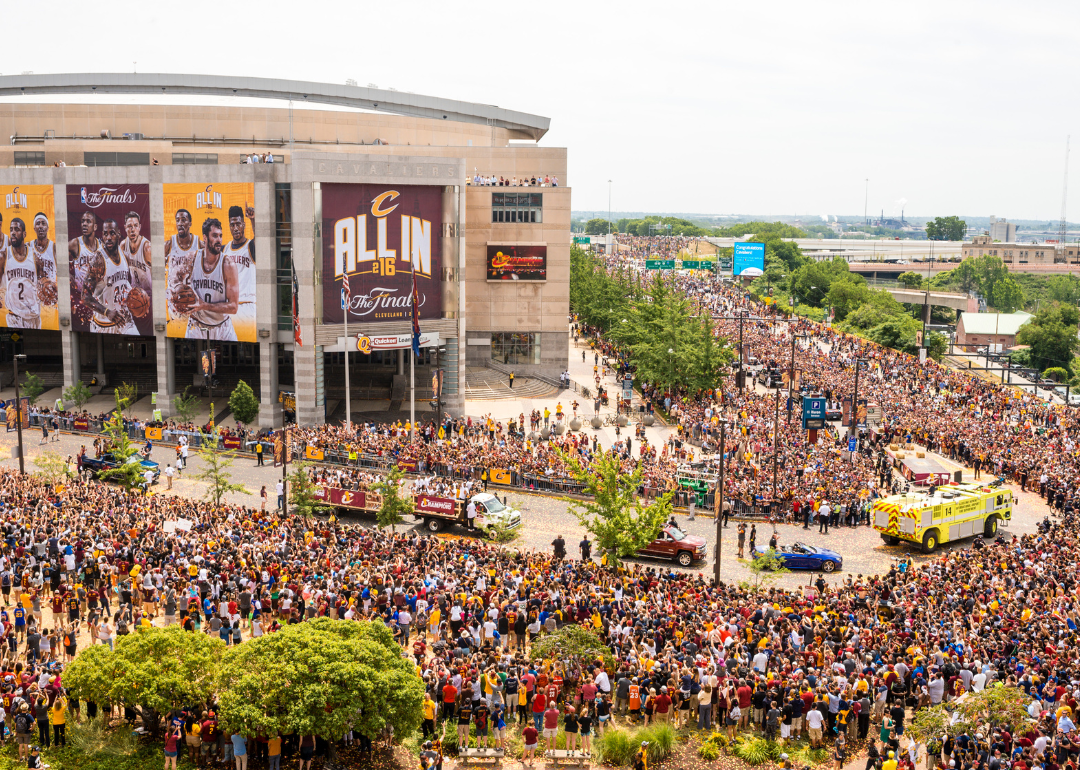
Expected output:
(752, 750)
(661, 738)
(709, 751)
(93, 738)
(615, 747)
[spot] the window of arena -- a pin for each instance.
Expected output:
(515, 347)
(517, 207)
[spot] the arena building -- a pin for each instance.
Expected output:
(177, 246)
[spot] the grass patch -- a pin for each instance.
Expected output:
(618, 747)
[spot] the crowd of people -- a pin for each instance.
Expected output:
(483, 180)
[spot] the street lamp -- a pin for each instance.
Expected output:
(18, 411)
(853, 428)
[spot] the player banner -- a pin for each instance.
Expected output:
(28, 257)
(210, 261)
(109, 258)
(381, 235)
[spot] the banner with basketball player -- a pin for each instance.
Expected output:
(210, 261)
(112, 287)
(28, 258)
(380, 236)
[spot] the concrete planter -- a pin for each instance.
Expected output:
(545, 433)
(648, 420)
(596, 422)
(575, 424)
(621, 420)
(560, 428)
(534, 436)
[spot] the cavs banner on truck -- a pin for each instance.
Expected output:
(28, 258)
(380, 236)
(109, 258)
(210, 261)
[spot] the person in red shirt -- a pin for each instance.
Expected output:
(449, 697)
(551, 725)
(539, 703)
(745, 694)
(530, 735)
(663, 705)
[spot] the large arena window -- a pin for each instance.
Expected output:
(515, 347)
(116, 158)
(29, 157)
(194, 158)
(517, 207)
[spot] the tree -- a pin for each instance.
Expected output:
(612, 512)
(319, 678)
(53, 468)
(1055, 373)
(31, 388)
(572, 642)
(78, 394)
(395, 506)
(848, 294)
(1008, 295)
(995, 706)
(217, 466)
(129, 394)
(600, 227)
(764, 570)
(153, 670)
(244, 405)
(185, 405)
(936, 345)
(710, 357)
(946, 229)
(1063, 288)
(302, 492)
(1051, 336)
(128, 471)
(990, 270)
(910, 280)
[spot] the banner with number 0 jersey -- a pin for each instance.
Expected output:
(210, 260)
(28, 254)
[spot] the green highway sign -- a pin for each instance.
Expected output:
(659, 264)
(582, 239)
(691, 264)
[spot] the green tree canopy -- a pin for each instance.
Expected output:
(1051, 336)
(600, 227)
(318, 678)
(243, 404)
(128, 472)
(612, 511)
(946, 229)
(77, 395)
(395, 505)
(910, 280)
(1008, 296)
(848, 294)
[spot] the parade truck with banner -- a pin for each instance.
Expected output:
(437, 513)
(943, 515)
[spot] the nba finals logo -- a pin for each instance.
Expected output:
(208, 199)
(82, 195)
(15, 199)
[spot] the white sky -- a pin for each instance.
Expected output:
(778, 107)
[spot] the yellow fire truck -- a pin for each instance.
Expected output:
(951, 512)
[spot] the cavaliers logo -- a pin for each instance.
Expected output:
(377, 209)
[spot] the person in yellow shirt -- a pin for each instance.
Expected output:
(58, 717)
(428, 725)
(890, 763)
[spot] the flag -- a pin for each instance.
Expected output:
(415, 303)
(346, 290)
(296, 310)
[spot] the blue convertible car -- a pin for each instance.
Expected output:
(803, 556)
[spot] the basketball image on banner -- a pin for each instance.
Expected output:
(109, 258)
(28, 258)
(380, 237)
(210, 261)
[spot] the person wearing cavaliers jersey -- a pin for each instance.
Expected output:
(83, 251)
(241, 252)
(107, 284)
(3, 238)
(216, 289)
(22, 275)
(180, 252)
(136, 251)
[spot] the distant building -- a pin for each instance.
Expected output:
(1002, 230)
(975, 330)
(1012, 253)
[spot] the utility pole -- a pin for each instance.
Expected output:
(720, 502)
(791, 376)
(775, 449)
(18, 412)
(285, 449)
(866, 200)
(853, 429)
(742, 359)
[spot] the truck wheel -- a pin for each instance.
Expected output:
(433, 525)
(685, 558)
(930, 541)
(891, 539)
(828, 566)
(991, 527)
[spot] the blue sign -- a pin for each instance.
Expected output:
(813, 413)
(851, 443)
(749, 258)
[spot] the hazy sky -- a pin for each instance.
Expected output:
(957, 107)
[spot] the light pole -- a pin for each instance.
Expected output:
(609, 213)
(18, 411)
(720, 503)
(853, 429)
(791, 373)
(926, 300)
(866, 200)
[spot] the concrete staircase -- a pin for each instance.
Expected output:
(484, 384)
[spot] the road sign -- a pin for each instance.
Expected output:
(659, 264)
(582, 240)
(813, 409)
(691, 264)
(852, 442)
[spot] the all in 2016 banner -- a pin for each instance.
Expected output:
(28, 258)
(210, 260)
(381, 235)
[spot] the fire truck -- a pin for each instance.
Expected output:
(943, 514)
